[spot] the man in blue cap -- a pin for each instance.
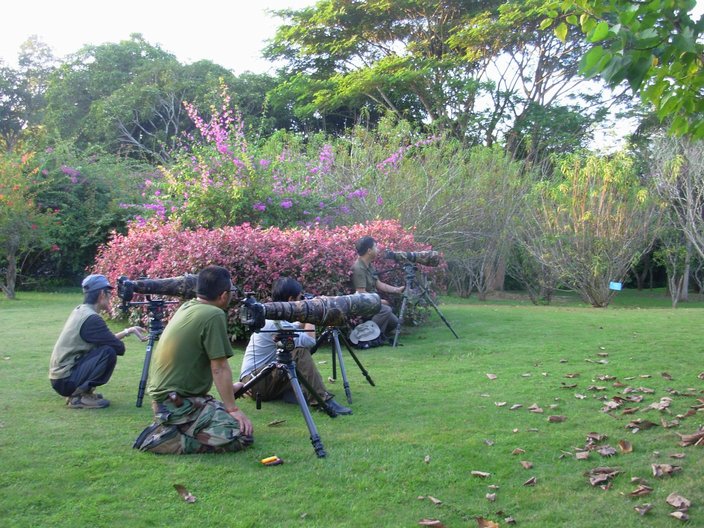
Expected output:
(85, 354)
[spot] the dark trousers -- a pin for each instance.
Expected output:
(386, 320)
(276, 383)
(92, 370)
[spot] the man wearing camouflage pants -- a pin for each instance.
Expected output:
(191, 355)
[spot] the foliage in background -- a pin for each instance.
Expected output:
(24, 222)
(654, 46)
(320, 258)
(590, 223)
(86, 191)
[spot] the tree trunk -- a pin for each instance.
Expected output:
(10, 275)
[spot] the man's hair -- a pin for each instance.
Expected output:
(364, 244)
(92, 296)
(284, 288)
(212, 281)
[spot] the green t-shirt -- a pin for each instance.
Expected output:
(364, 276)
(196, 334)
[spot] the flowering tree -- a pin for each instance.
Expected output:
(23, 223)
(221, 177)
(589, 223)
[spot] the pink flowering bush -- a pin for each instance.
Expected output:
(318, 257)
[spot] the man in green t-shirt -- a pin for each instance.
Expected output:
(191, 355)
(366, 280)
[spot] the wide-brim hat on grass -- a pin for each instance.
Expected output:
(365, 332)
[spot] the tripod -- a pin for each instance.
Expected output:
(284, 362)
(156, 327)
(333, 334)
(410, 270)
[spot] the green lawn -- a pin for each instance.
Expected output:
(431, 420)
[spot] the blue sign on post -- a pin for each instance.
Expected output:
(617, 286)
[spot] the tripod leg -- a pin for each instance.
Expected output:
(303, 404)
(356, 360)
(337, 351)
(145, 370)
(427, 298)
(401, 313)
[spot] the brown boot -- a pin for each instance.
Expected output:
(87, 400)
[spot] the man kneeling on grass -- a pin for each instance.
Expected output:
(192, 353)
(85, 354)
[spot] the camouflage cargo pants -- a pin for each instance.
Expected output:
(198, 425)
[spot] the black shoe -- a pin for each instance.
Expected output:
(339, 409)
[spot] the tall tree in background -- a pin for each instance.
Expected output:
(345, 54)
(22, 90)
(127, 97)
(483, 71)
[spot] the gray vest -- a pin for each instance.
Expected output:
(70, 347)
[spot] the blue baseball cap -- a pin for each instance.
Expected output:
(95, 282)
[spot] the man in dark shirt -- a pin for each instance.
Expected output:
(85, 354)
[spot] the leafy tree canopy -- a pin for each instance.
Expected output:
(654, 46)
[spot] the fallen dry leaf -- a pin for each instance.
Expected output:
(581, 455)
(596, 388)
(678, 456)
(275, 423)
(518, 451)
(696, 439)
(701, 376)
(486, 523)
(595, 438)
(564, 385)
(499, 404)
(625, 446)
(492, 487)
(678, 501)
(573, 375)
(644, 508)
(666, 376)
(526, 464)
(606, 377)
(630, 410)
(435, 501)
(670, 424)
(641, 491)
(480, 474)
(601, 475)
(489, 442)
(510, 520)
(431, 522)
(680, 516)
(426, 459)
(515, 406)
(531, 481)
(645, 376)
(556, 418)
(606, 451)
(185, 495)
(491, 497)
(535, 409)
(579, 396)
(661, 470)
(637, 425)
(491, 376)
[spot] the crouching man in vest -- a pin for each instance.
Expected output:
(85, 354)
(190, 356)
